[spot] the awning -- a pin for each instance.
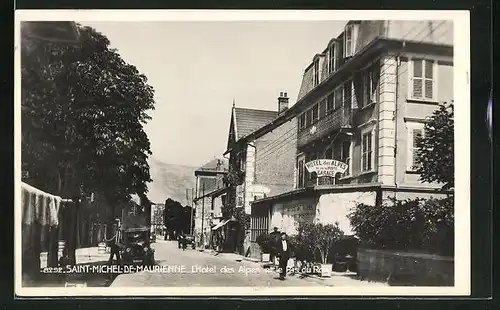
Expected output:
(220, 225)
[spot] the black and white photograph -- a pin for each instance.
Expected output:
(219, 153)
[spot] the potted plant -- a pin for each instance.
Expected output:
(264, 242)
(321, 239)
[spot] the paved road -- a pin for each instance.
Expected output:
(203, 269)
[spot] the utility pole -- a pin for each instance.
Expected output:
(188, 204)
(203, 216)
(192, 212)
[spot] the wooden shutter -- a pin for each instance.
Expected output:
(417, 86)
(429, 80)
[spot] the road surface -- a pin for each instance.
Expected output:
(178, 268)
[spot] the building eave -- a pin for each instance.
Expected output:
(213, 194)
(322, 189)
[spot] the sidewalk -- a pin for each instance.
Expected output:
(83, 256)
(337, 278)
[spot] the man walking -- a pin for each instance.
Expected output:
(275, 239)
(113, 244)
(284, 253)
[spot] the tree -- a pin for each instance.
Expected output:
(435, 149)
(83, 113)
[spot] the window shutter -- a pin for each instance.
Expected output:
(322, 109)
(348, 41)
(348, 94)
(315, 113)
(429, 79)
(417, 79)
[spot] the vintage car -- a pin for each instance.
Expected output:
(135, 248)
(187, 240)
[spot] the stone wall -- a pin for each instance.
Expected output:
(405, 269)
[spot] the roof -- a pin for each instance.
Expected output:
(249, 120)
(214, 165)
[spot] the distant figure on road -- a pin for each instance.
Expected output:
(284, 254)
(113, 243)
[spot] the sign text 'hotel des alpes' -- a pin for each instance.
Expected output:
(326, 167)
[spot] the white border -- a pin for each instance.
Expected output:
(462, 135)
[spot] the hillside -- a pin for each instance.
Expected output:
(169, 181)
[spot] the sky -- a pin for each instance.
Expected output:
(197, 69)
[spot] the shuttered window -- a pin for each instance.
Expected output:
(348, 41)
(329, 103)
(322, 109)
(366, 158)
(315, 113)
(302, 121)
(348, 94)
(423, 79)
(331, 58)
(316, 72)
(308, 118)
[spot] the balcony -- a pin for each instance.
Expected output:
(340, 118)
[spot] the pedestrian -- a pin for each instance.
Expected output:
(284, 254)
(274, 242)
(114, 244)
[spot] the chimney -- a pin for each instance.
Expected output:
(282, 102)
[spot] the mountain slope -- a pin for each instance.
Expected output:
(170, 181)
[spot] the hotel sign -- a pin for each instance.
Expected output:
(326, 167)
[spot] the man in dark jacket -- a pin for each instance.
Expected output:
(274, 240)
(284, 254)
(114, 243)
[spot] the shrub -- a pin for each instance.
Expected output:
(418, 224)
(318, 237)
(264, 241)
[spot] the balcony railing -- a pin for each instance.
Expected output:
(340, 118)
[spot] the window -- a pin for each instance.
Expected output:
(366, 151)
(370, 83)
(348, 40)
(422, 84)
(338, 98)
(316, 72)
(415, 130)
(322, 109)
(301, 168)
(331, 58)
(308, 118)
(339, 50)
(348, 94)
(346, 156)
(302, 121)
(315, 113)
(329, 103)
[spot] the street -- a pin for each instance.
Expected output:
(204, 269)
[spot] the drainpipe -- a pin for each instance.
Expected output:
(396, 183)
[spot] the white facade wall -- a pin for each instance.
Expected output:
(328, 209)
